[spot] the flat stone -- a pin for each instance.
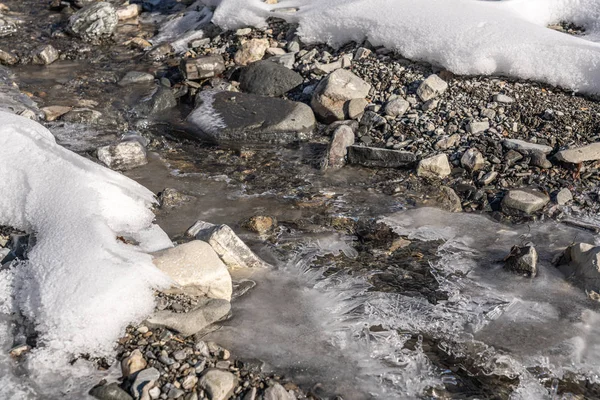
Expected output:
(472, 160)
(52, 113)
(502, 98)
(252, 50)
(218, 384)
(434, 167)
(133, 77)
(524, 147)
(197, 268)
(525, 200)
(202, 67)
(189, 323)
(94, 22)
(564, 196)
(112, 391)
(378, 157)
(45, 55)
(287, 60)
(342, 138)
(522, 260)
(334, 91)
(578, 155)
(476, 127)
(268, 79)
(242, 118)
(431, 87)
(123, 156)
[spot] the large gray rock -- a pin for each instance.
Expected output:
(524, 147)
(94, 22)
(123, 156)
(232, 250)
(334, 91)
(431, 87)
(242, 118)
(522, 260)
(197, 268)
(218, 384)
(112, 391)
(342, 138)
(591, 152)
(434, 167)
(188, 323)
(202, 67)
(268, 79)
(525, 200)
(378, 157)
(581, 264)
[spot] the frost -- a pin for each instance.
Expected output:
(467, 37)
(205, 116)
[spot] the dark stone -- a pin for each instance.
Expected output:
(162, 99)
(268, 79)
(241, 118)
(110, 392)
(522, 260)
(377, 157)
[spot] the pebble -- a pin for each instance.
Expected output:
(431, 87)
(218, 384)
(564, 196)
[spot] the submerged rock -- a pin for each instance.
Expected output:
(377, 157)
(241, 118)
(268, 79)
(93, 22)
(45, 55)
(261, 224)
(171, 198)
(522, 260)
(162, 99)
(342, 138)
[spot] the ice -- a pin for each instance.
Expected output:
(467, 37)
(80, 285)
(184, 27)
(205, 116)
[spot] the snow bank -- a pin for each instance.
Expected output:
(467, 37)
(81, 286)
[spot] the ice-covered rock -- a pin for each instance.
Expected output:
(123, 156)
(525, 200)
(591, 152)
(434, 167)
(93, 22)
(197, 268)
(268, 79)
(431, 87)
(331, 95)
(522, 260)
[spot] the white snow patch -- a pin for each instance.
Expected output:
(184, 28)
(80, 285)
(468, 37)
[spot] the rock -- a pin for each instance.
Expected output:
(191, 322)
(189, 382)
(356, 108)
(45, 55)
(143, 382)
(378, 157)
(7, 58)
(287, 60)
(539, 160)
(502, 98)
(476, 127)
(202, 67)
(581, 264)
(197, 268)
(132, 364)
(278, 392)
(472, 160)
(94, 22)
(18, 351)
(171, 198)
(445, 198)
(331, 95)
(524, 147)
(431, 87)
(261, 224)
(123, 156)
(52, 113)
(250, 394)
(434, 167)
(232, 250)
(162, 99)
(522, 260)
(324, 69)
(590, 152)
(342, 138)
(564, 196)
(82, 116)
(525, 200)
(447, 142)
(241, 118)
(175, 393)
(133, 77)
(218, 384)
(362, 53)
(128, 12)
(112, 391)
(268, 79)
(252, 50)
(488, 178)
(396, 107)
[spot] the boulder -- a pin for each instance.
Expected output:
(342, 138)
(197, 268)
(522, 260)
(218, 384)
(431, 87)
(591, 152)
(525, 200)
(202, 67)
(331, 95)
(94, 22)
(189, 323)
(232, 250)
(268, 79)
(378, 157)
(123, 156)
(241, 118)
(434, 167)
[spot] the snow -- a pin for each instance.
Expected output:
(80, 285)
(467, 37)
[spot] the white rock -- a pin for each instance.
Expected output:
(472, 160)
(591, 152)
(564, 196)
(332, 93)
(434, 167)
(197, 268)
(129, 11)
(132, 364)
(396, 107)
(252, 50)
(45, 54)
(502, 98)
(431, 87)
(526, 200)
(478, 126)
(123, 156)
(218, 384)
(278, 392)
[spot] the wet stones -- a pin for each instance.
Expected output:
(268, 79)
(331, 95)
(171, 198)
(202, 67)
(94, 22)
(261, 224)
(378, 157)
(431, 87)
(522, 260)
(162, 99)
(580, 263)
(240, 118)
(197, 268)
(342, 138)
(578, 155)
(123, 156)
(434, 167)
(524, 200)
(44, 55)
(252, 50)
(218, 384)
(7, 58)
